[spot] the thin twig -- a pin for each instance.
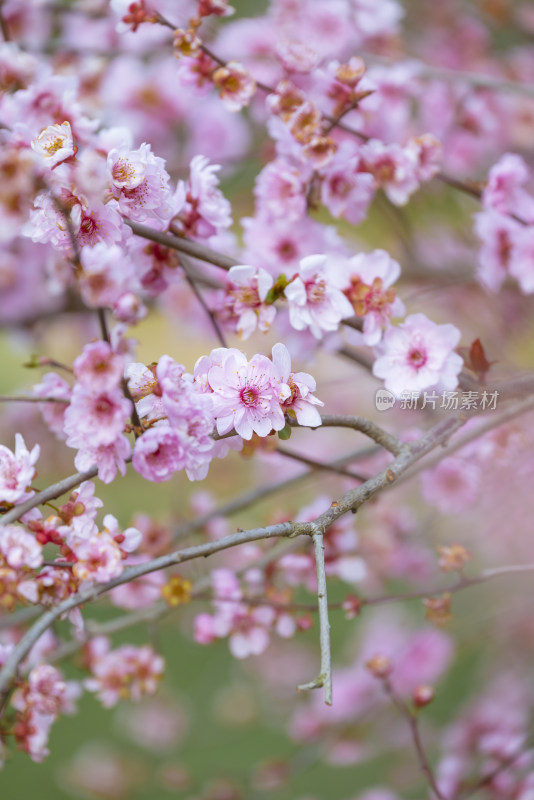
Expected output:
(413, 721)
(33, 399)
(325, 677)
(209, 313)
(362, 425)
(182, 245)
(311, 462)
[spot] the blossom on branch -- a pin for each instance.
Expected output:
(418, 354)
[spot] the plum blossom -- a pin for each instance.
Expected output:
(140, 183)
(247, 395)
(19, 548)
(158, 454)
(236, 86)
(371, 277)
(418, 354)
(109, 458)
(88, 223)
(53, 385)
(202, 209)
(280, 191)
(393, 167)
(346, 190)
(452, 486)
(54, 144)
(128, 671)
(99, 368)
(95, 419)
(98, 558)
(243, 303)
(247, 628)
(17, 471)
(301, 403)
(315, 297)
(498, 234)
(503, 191)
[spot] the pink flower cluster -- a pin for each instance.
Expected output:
(98, 411)
(506, 226)
(127, 672)
(17, 471)
(253, 396)
(38, 703)
(246, 627)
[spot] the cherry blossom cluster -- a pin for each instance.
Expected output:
(233, 176)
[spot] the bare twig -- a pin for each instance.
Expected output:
(209, 313)
(325, 677)
(413, 721)
(182, 245)
(33, 399)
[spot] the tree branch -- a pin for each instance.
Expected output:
(325, 677)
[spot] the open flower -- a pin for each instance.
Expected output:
(418, 354)
(247, 395)
(54, 144)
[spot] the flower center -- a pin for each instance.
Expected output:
(248, 396)
(315, 291)
(417, 359)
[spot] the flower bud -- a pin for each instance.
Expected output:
(422, 696)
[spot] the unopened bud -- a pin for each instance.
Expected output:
(453, 558)
(438, 609)
(352, 606)
(422, 696)
(304, 622)
(379, 666)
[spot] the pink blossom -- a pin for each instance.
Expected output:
(315, 298)
(107, 457)
(521, 264)
(45, 691)
(247, 396)
(54, 144)
(418, 354)
(17, 471)
(371, 276)
(53, 385)
(88, 224)
(236, 86)
(107, 274)
(128, 671)
(280, 191)
(202, 209)
(278, 245)
(159, 453)
(452, 486)
(99, 368)
(140, 183)
(498, 234)
(503, 191)
(296, 56)
(204, 629)
(128, 539)
(98, 558)
(393, 167)
(19, 548)
(346, 190)
(92, 420)
(243, 303)
(301, 402)
(428, 155)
